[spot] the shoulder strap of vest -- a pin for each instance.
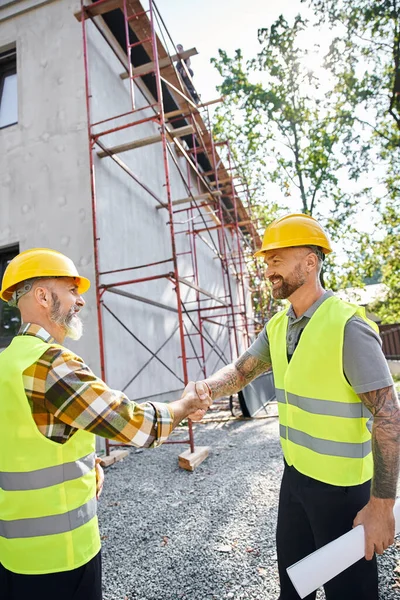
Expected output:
(277, 318)
(360, 311)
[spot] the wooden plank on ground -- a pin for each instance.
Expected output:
(190, 460)
(114, 456)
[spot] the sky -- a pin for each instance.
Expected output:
(208, 25)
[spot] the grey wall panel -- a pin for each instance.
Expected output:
(44, 166)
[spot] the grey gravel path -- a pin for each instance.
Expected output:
(209, 535)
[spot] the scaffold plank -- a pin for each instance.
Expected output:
(184, 113)
(153, 139)
(100, 9)
(201, 290)
(141, 299)
(208, 196)
(221, 181)
(239, 224)
(163, 62)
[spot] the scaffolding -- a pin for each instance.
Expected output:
(216, 210)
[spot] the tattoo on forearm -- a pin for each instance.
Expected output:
(385, 408)
(234, 377)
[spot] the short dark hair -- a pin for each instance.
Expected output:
(318, 251)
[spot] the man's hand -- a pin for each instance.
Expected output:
(203, 393)
(378, 520)
(99, 478)
(200, 392)
(194, 402)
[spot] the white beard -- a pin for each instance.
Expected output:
(70, 322)
(74, 329)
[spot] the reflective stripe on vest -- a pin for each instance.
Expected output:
(325, 407)
(43, 478)
(25, 528)
(328, 447)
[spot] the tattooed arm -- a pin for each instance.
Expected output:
(377, 516)
(385, 408)
(234, 377)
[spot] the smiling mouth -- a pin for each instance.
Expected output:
(275, 282)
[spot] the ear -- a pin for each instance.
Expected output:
(42, 296)
(311, 262)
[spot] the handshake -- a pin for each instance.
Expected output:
(197, 395)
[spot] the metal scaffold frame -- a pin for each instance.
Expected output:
(215, 203)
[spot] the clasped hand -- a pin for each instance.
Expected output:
(198, 394)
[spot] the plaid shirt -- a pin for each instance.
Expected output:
(65, 395)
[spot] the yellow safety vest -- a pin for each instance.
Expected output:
(323, 423)
(48, 519)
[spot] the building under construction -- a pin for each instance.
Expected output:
(108, 155)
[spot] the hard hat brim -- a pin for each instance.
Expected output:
(82, 282)
(289, 244)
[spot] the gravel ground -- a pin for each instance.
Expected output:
(209, 535)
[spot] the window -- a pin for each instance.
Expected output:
(8, 88)
(10, 319)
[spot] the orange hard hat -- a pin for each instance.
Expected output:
(39, 262)
(294, 230)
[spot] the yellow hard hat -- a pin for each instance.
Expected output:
(39, 262)
(294, 230)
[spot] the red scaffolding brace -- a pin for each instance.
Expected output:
(214, 203)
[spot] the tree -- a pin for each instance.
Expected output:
(365, 60)
(291, 132)
(276, 109)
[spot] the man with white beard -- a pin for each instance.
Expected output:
(51, 407)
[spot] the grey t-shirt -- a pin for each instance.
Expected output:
(364, 363)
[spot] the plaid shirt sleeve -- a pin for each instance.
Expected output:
(61, 384)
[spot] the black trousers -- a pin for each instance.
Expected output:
(311, 514)
(83, 583)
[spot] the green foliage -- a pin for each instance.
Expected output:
(364, 58)
(315, 143)
(281, 122)
(286, 132)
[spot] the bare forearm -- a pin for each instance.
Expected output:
(234, 377)
(225, 382)
(385, 408)
(182, 409)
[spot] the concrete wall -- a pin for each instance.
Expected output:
(44, 167)
(46, 198)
